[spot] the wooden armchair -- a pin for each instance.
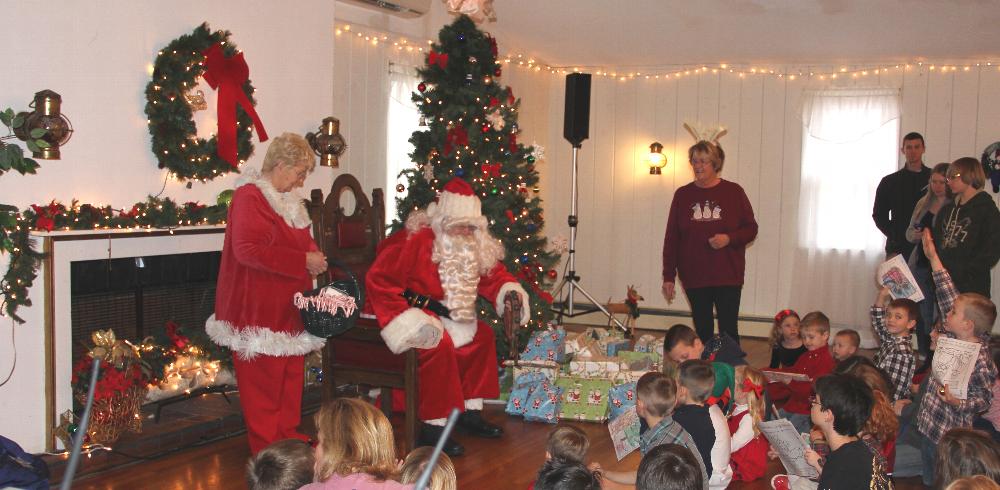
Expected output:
(360, 356)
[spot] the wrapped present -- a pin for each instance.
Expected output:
(616, 346)
(523, 387)
(583, 398)
(592, 349)
(575, 342)
(595, 367)
(639, 361)
(549, 368)
(649, 343)
(544, 404)
(620, 398)
(625, 376)
(546, 345)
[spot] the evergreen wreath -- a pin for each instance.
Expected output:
(174, 140)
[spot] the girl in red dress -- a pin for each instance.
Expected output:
(749, 446)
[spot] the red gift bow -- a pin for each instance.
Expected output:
(491, 170)
(749, 386)
(456, 137)
(439, 59)
(228, 76)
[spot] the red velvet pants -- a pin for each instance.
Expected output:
(449, 375)
(271, 397)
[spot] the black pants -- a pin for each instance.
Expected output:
(724, 300)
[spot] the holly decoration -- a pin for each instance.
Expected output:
(174, 140)
(456, 107)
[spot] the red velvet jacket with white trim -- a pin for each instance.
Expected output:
(404, 262)
(263, 266)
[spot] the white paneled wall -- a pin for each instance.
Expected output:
(623, 209)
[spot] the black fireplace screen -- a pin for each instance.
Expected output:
(136, 296)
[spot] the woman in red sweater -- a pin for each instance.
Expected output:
(709, 226)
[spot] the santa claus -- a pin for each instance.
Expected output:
(423, 287)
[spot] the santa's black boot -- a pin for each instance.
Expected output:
(472, 423)
(430, 435)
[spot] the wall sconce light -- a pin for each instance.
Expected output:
(45, 128)
(327, 142)
(657, 160)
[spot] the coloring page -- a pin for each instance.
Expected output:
(953, 363)
(895, 275)
(788, 443)
(625, 433)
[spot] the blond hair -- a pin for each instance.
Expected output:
(755, 402)
(979, 310)
(442, 476)
(815, 320)
(969, 170)
(978, 482)
(568, 443)
(284, 465)
(289, 149)
(354, 437)
(780, 318)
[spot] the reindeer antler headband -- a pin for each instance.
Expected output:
(707, 134)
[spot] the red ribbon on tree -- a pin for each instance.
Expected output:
(491, 170)
(227, 75)
(439, 59)
(456, 137)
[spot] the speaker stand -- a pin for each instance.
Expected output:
(570, 280)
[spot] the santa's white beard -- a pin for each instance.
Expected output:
(459, 273)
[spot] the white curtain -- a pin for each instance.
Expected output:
(403, 120)
(850, 140)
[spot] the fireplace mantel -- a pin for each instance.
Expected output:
(39, 389)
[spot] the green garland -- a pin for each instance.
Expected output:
(174, 140)
(15, 229)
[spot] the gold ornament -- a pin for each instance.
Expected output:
(66, 429)
(196, 100)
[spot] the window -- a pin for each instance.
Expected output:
(402, 121)
(850, 140)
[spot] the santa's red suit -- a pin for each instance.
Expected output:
(263, 266)
(457, 356)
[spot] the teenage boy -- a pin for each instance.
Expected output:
(681, 343)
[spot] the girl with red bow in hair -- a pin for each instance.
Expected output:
(786, 343)
(749, 446)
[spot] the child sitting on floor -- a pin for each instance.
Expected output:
(442, 476)
(845, 344)
(749, 447)
(892, 325)
(284, 465)
(565, 443)
(786, 343)
(704, 421)
(356, 448)
(656, 397)
(561, 474)
(814, 363)
(669, 467)
(968, 317)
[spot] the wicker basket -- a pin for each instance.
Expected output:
(324, 324)
(112, 416)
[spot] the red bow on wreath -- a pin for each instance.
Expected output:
(491, 170)
(456, 137)
(749, 386)
(228, 75)
(439, 59)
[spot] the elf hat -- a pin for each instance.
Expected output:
(457, 202)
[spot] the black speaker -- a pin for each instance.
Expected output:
(576, 123)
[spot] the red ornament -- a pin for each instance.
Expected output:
(497, 72)
(552, 274)
(510, 215)
(486, 128)
(494, 102)
(400, 188)
(422, 87)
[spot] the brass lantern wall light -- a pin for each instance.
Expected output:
(45, 128)
(656, 159)
(327, 142)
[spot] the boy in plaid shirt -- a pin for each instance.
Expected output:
(969, 317)
(895, 354)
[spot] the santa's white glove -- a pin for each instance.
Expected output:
(426, 337)
(413, 328)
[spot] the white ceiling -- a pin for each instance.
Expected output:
(659, 33)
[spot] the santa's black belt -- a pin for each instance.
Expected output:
(420, 301)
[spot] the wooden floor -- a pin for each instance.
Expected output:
(508, 463)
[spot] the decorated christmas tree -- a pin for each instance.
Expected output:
(472, 134)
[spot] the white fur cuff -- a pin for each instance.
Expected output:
(525, 304)
(250, 341)
(461, 333)
(412, 329)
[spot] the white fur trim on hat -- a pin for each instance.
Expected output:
(288, 205)
(525, 304)
(248, 342)
(455, 205)
(412, 329)
(461, 333)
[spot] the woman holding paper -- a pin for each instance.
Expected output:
(924, 215)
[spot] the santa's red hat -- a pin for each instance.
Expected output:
(457, 202)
